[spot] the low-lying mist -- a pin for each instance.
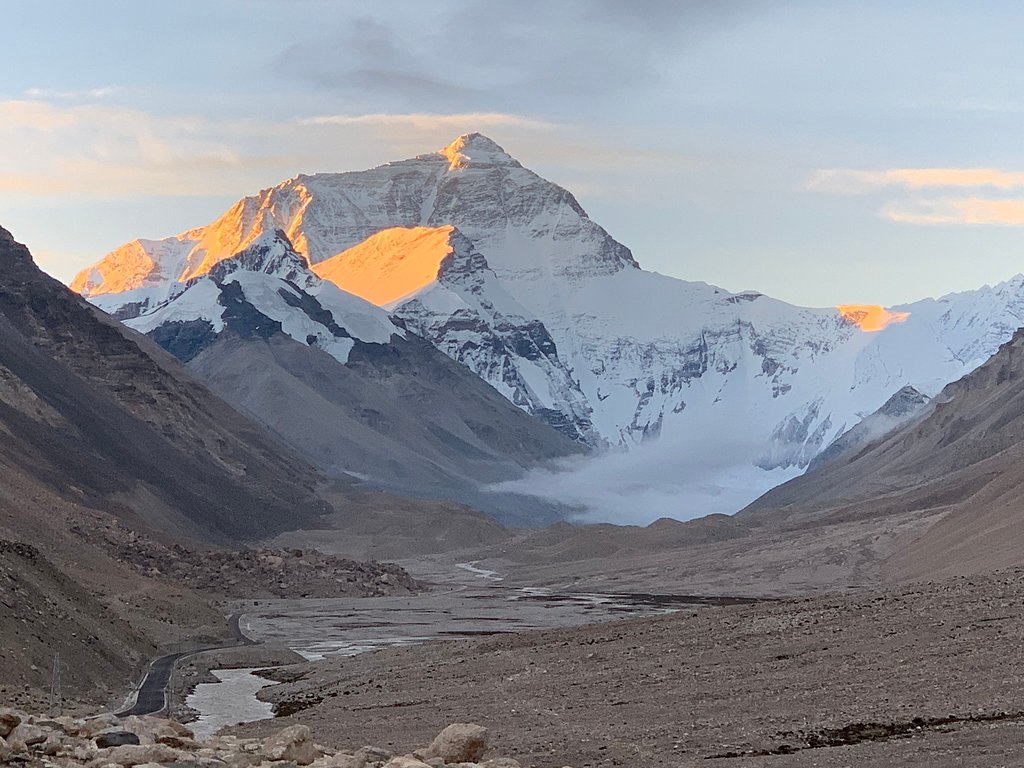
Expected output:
(638, 486)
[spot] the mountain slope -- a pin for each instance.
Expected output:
(899, 409)
(120, 477)
(549, 309)
(97, 426)
(341, 382)
(125, 421)
(962, 457)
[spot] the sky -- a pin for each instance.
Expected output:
(820, 152)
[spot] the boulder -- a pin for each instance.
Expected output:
(9, 720)
(459, 743)
(116, 739)
(29, 734)
(341, 760)
(178, 742)
(70, 725)
(406, 761)
(149, 729)
(137, 754)
(294, 744)
(180, 729)
(84, 751)
(5, 751)
(53, 744)
(501, 762)
(239, 759)
(101, 723)
(373, 754)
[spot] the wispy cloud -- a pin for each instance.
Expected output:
(950, 209)
(1007, 212)
(111, 152)
(430, 122)
(105, 151)
(856, 182)
(74, 94)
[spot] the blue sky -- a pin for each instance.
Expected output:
(823, 153)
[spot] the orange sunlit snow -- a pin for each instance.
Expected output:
(871, 317)
(389, 265)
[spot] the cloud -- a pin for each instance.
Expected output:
(431, 122)
(1007, 212)
(103, 151)
(677, 477)
(854, 182)
(932, 211)
(73, 95)
(113, 152)
(533, 56)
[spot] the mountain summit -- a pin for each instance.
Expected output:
(469, 184)
(504, 272)
(476, 149)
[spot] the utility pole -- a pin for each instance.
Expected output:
(56, 702)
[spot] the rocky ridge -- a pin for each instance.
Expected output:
(899, 409)
(250, 573)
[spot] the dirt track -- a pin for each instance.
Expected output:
(919, 676)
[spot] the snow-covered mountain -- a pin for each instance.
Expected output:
(340, 381)
(505, 272)
(269, 276)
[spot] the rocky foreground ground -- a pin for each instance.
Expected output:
(109, 742)
(926, 675)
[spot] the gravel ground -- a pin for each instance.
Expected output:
(927, 675)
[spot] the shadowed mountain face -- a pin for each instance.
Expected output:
(899, 409)
(963, 456)
(95, 411)
(98, 423)
(348, 386)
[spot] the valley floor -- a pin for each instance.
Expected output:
(923, 675)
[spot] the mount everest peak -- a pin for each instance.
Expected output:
(476, 149)
(504, 272)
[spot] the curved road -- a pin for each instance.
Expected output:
(151, 698)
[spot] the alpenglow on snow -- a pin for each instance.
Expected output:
(726, 394)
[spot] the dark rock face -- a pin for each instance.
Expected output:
(907, 401)
(313, 310)
(242, 317)
(184, 338)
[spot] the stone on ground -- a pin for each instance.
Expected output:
(459, 743)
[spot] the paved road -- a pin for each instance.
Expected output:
(152, 695)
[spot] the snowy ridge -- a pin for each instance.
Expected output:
(277, 284)
(504, 272)
(468, 315)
